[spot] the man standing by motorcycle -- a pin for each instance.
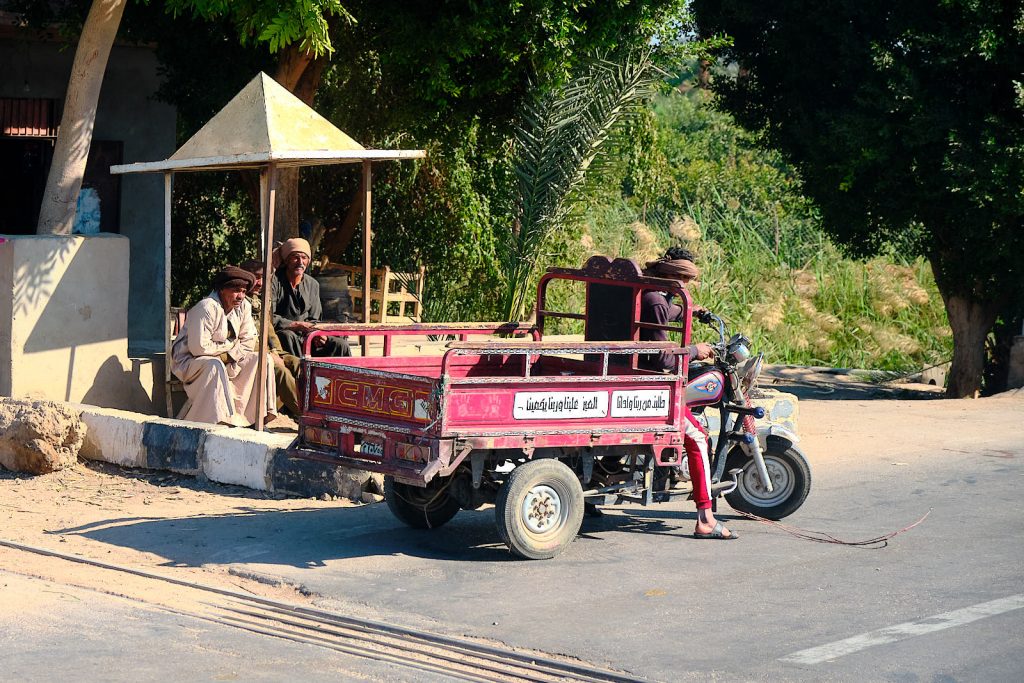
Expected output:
(656, 307)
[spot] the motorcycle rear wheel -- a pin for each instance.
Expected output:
(791, 480)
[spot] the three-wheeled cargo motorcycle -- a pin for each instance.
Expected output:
(540, 426)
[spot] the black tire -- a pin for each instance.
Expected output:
(549, 488)
(791, 479)
(420, 508)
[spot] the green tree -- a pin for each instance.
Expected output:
(906, 121)
(74, 137)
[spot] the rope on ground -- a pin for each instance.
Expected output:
(876, 543)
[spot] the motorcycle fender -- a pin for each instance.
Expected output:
(775, 431)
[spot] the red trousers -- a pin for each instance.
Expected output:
(695, 443)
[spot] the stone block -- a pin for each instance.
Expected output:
(241, 456)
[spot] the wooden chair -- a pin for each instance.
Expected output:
(394, 297)
(172, 385)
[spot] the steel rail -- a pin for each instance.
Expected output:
(496, 664)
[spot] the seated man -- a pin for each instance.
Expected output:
(296, 307)
(656, 307)
(215, 355)
(286, 366)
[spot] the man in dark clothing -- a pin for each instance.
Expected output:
(296, 307)
(655, 307)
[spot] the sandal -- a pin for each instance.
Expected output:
(716, 534)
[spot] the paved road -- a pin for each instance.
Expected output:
(72, 634)
(943, 602)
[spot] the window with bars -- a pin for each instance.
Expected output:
(28, 118)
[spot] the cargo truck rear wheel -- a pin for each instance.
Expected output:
(539, 509)
(419, 507)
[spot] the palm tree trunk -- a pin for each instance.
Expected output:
(64, 182)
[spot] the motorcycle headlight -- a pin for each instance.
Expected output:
(751, 373)
(739, 352)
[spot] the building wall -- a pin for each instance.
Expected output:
(67, 299)
(128, 113)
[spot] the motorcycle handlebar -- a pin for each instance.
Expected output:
(709, 318)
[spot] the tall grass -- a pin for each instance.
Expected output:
(805, 304)
(768, 267)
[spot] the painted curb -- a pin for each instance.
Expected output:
(226, 455)
(113, 436)
(242, 457)
(131, 439)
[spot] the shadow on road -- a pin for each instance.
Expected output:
(312, 537)
(829, 384)
(307, 537)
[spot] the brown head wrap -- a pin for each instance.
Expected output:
(253, 266)
(288, 247)
(676, 269)
(233, 276)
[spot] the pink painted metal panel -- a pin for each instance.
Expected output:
(387, 331)
(339, 390)
(430, 366)
(546, 407)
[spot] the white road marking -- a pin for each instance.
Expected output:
(890, 634)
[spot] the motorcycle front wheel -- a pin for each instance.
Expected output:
(791, 481)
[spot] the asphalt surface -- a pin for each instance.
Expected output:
(943, 601)
(92, 636)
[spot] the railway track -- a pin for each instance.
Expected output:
(459, 658)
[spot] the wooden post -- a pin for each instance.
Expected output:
(367, 239)
(167, 293)
(268, 190)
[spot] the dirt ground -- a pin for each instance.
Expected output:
(46, 511)
(50, 510)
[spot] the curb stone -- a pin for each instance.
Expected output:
(226, 455)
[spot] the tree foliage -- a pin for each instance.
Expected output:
(906, 122)
(275, 23)
(448, 77)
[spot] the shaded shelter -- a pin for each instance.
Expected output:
(265, 127)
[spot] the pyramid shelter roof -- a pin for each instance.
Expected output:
(266, 123)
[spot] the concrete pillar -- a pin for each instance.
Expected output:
(64, 321)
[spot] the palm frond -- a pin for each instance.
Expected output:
(559, 141)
